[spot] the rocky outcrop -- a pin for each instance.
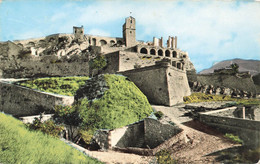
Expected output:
(94, 88)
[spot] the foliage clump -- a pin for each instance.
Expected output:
(20, 145)
(159, 114)
(98, 63)
(48, 127)
(233, 138)
(58, 85)
(164, 157)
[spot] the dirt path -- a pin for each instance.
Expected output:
(200, 141)
(120, 158)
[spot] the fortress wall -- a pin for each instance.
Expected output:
(112, 62)
(162, 85)
(247, 130)
(178, 85)
(152, 82)
(49, 66)
(229, 81)
(20, 101)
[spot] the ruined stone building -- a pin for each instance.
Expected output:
(68, 55)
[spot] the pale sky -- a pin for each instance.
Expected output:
(209, 30)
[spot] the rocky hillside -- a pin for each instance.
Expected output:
(57, 55)
(253, 66)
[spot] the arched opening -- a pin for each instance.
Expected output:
(174, 63)
(112, 42)
(152, 52)
(167, 53)
(184, 56)
(31, 44)
(179, 65)
(119, 42)
(174, 54)
(94, 41)
(160, 52)
(102, 42)
(20, 45)
(143, 51)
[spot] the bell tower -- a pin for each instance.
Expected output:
(129, 32)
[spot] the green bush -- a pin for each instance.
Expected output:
(19, 145)
(164, 157)
(58, 85)
(47, 127)
(233, 138)
(159, 114)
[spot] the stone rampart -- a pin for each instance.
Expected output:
(163, 85)
(21, 101)
(247, 130)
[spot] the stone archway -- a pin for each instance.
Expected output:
(112, 42)
(152, 52)
(160, 52)
(143, 51)
(102, 42)
(174, 54)
(167, 53)
(94, 41)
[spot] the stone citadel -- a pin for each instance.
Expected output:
(160, 72)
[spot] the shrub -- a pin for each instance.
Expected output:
(47, 127)
(233, 138)
(86, 135)
(164, 157)
(159, 114)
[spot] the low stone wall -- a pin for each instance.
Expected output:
(21, 101)
(247, 130)
(151, 152)
(30, 119)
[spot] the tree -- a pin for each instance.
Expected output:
(97, 63)
(235, 67)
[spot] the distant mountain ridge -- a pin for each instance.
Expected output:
(253, 66)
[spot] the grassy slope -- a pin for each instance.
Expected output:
(19, 145)
(121, 105)
(202, 97)
(59, 85)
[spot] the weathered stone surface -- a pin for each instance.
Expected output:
(164, 85)
(148, 134)
(20, 101)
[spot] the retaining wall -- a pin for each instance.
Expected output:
(247, 130)
(21, 101)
